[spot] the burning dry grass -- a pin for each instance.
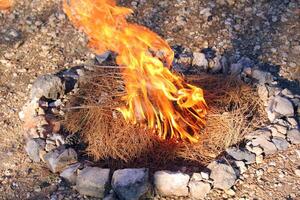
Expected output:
(234, 110)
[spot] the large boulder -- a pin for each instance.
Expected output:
(169, 183)
(93, 181)
(130, 184)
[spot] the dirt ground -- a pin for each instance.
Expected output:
(36, 38)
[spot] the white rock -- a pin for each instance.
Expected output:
(259, 159)
(199, 60)
(287, 93)
(196, 177)
(21, 115)
(257, 150)
(242, 166)
(259, 172)
(297, 172)
(171, 183)
(204, 175)
(298, 153)
(199, 189)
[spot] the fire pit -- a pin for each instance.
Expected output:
(137, 116)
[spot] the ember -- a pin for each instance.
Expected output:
(5, 4)
(154, 95)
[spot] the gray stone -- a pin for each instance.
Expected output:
(283, 106)
(49, 86)
(263, 142)
(224, 64)
(261, 76)
(242, 155)
(33, 148)
(280, 143)
(198, 189)
(293, 136)
(263, 92)
(130, 184)
(59, 159)
(12, 34)
(246, 62)
(111, 196)
(206, 12)
(70, 173)
(171, 183)
(286, 92)
(199, 60)
(266, 133)
(223, 175)
(93, 181)
(236, 68)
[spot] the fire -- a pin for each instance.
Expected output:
(155, 96)
(5, 4)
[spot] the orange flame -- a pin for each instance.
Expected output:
(5, 4)
(154, 95)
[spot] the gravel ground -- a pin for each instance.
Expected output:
(36, 38)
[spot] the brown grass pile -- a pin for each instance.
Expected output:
(234, 110)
